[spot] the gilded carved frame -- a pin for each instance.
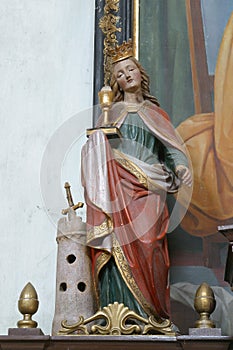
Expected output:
(117, 15)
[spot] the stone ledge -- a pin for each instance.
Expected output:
(122, 342)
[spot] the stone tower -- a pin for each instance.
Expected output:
(74, 286)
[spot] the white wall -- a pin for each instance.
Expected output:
(46, 60)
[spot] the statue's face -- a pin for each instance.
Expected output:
(128, 75)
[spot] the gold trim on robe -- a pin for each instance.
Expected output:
(100, 231)
(126, 274)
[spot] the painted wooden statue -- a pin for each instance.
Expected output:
(126, 182)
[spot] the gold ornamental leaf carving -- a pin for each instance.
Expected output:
(111, 5)
(116, 316)
(117, 319)
(108, 25)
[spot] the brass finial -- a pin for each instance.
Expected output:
(204, 304)
(28, 305)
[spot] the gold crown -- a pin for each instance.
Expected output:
(121, 52)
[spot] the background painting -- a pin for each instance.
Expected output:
(179, 43)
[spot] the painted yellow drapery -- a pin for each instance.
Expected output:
(209, 140)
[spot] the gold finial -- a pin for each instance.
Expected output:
(204, 304)
(121, 52)
(28, 305)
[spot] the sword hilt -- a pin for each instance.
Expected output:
(70, 200)
(68, 194)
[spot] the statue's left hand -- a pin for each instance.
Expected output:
(184, 174)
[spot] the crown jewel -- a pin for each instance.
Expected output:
(121, 52)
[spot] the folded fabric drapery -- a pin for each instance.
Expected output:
(127, 216)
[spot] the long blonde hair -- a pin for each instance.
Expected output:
(145, 85)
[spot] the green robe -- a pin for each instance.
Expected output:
(139, 142)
